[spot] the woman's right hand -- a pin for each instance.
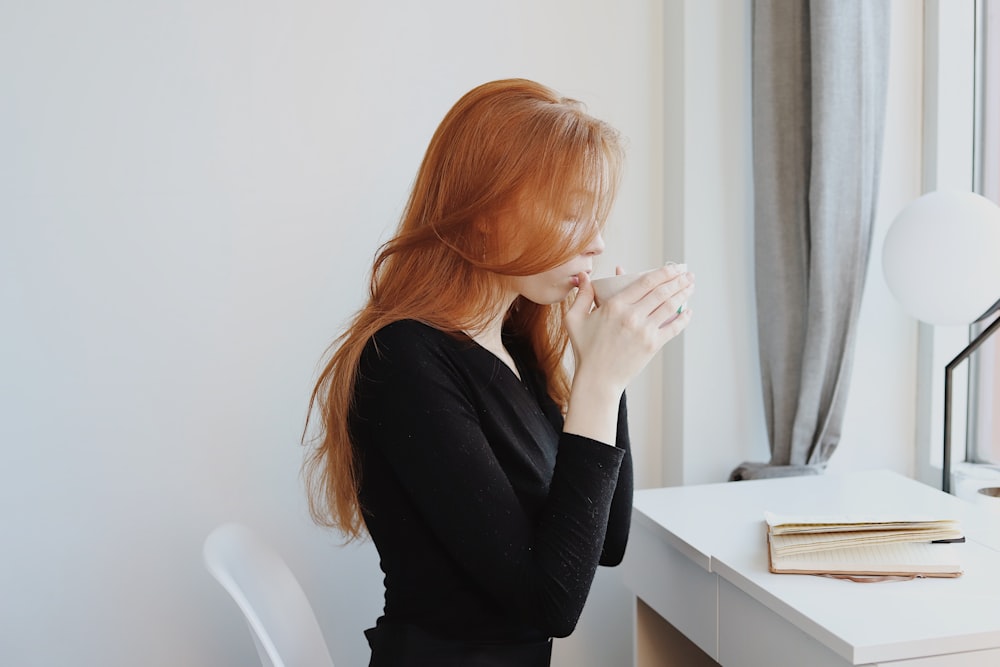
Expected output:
(613, 343)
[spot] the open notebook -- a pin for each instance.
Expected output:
(862, 546)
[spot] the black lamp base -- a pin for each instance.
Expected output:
(949, 369)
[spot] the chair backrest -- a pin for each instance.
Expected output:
(282, 621)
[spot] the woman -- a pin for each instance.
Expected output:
(492, 482)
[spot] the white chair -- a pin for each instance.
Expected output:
(281, 620)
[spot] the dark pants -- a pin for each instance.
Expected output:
(407, 646)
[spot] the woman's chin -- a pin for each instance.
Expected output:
(548, 299)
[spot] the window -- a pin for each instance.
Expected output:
(984, 382)
(960, 144)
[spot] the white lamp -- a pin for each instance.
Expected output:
(941, 260)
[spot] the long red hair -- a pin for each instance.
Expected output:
(510, 146)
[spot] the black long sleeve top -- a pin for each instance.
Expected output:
(489, 520)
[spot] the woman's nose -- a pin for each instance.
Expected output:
(595, 247)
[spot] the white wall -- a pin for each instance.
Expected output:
(714, 416)
(879, 424)
(190, 196)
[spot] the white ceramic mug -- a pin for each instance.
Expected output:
(605, 288)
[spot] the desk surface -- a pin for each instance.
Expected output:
(719, 528)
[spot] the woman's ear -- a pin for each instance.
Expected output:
(482, 223)
(481, 230)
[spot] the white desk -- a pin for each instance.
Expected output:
(697, 557)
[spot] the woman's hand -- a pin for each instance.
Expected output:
(613, 343)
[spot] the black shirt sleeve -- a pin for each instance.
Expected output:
(620, 515)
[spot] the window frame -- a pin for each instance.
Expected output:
(951, 122)
(983, 443)
(948, 158)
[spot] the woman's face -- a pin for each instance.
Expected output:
(554, 285)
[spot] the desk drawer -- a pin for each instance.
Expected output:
(752, 635)
(679, 590)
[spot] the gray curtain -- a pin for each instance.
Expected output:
(819, 77)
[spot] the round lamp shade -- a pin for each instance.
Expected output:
(941, 257)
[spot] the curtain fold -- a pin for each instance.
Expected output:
(820, 70)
